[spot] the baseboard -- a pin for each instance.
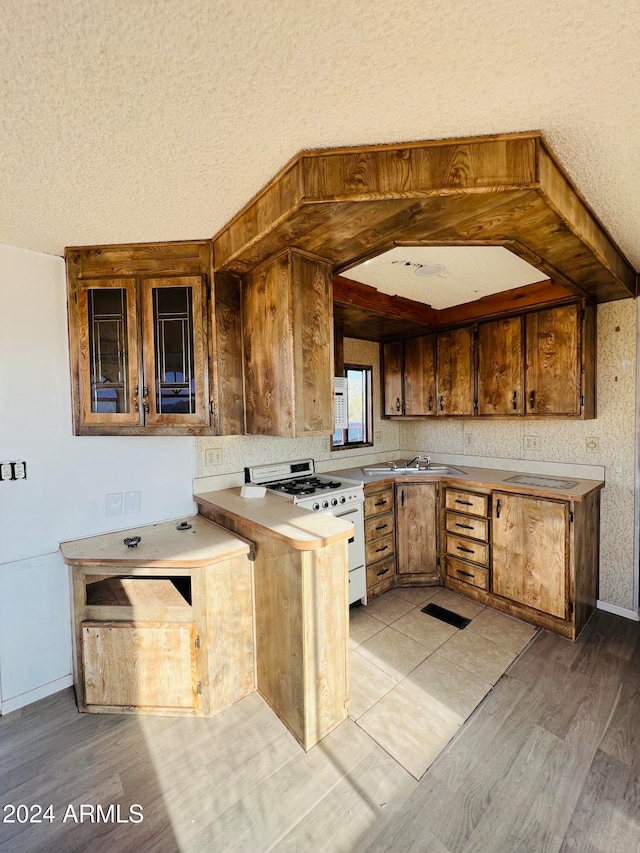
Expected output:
(619, 611)
(38, 693)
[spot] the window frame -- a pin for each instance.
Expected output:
(367, 369)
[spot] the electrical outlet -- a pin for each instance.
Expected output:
(113, 504)
(593, 444)
(20, 470)
(6, 471)
(213, 456)
(468, 439)
(532, 442)
(131, 502)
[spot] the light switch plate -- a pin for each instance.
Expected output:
(592, 443)
(113, 504)
(132, 502)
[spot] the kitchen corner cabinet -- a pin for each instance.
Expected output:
(417, 534)
(162, 629)
(409, 370)
(287, 315)
(141, 338)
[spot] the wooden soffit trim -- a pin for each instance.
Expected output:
(351, 203)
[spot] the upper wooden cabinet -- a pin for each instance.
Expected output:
(409, 370)
(500, 359)
(288, 346)
(560, 361)
(142, 333)
(541, 363)
(455, 371)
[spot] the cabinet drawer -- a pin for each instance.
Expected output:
(465, 525)
(467, 549)
(379, 525)
(380, 572)
(378, 503)
(467, 502)
(378, 549)
(473, 575)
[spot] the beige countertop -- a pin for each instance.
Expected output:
(301, 528)
(161, 545)
(487, 478)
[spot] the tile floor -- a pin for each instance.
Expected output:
(415, 679)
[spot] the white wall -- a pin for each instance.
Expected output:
(68, 477)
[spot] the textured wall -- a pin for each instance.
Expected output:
(241, 451)
(565, 441)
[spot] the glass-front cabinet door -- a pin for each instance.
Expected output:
(142, 352)
(175, 356)
(108, 352)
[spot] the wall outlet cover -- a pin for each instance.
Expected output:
(532, 442)
(113, 504)
(132, 502)
(213, 456)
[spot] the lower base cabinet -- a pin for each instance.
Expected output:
(379, 538)
(417, 534)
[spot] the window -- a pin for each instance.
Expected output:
(359, 433)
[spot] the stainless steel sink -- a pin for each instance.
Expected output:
(431, 471)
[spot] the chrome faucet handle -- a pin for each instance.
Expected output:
(393, 466)
(427, 461)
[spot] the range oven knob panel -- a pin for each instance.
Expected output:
(325, 504)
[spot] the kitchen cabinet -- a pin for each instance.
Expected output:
(500, 367)
(142, 336)
(530, 552)
(409, 370)
(417, 534)
(287, 321)
(467, 549)
(541, 363)
(560, 361)
(379, 538)
(161, 629)
(455, 371)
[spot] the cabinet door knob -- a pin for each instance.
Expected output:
(515, 400)
(397, 404)
(441, 404)
(532, 400)
(430, 403)
(498, 508)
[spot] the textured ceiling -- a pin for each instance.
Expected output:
(143, 120)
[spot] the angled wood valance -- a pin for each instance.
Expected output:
(348, 204)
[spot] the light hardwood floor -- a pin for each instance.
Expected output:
(549, 761)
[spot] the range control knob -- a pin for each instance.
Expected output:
(334, 501)
(343, 499)
(316, 506)
(325, 504)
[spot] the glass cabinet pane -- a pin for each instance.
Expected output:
(174, 350)
(107, 315)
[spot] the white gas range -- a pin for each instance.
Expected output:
(343, 498)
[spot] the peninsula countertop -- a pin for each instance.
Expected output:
(537, 485)
(303, 529)
(162, 545)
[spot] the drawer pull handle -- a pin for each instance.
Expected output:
(466, 550)
(383, 573)
(465, 526)
(380, 503)
(464, 503)
(466, 574)
(353, 539)
(382, 527)
(380, 550)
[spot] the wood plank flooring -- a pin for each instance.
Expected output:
(550, 761)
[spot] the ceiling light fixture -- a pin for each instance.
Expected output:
(429, 269)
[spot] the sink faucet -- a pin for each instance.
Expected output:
(415, 459)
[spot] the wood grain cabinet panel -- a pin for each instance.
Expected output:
(417, 533)
(531, 552)
(143, 339)
(288, 347)
(500, 366)
(420, 376)
(379, 538)
(455, 372)
(560, 361)
(392, 371)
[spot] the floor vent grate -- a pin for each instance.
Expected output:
(447, 616)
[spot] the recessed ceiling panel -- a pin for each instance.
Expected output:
(444, 276)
